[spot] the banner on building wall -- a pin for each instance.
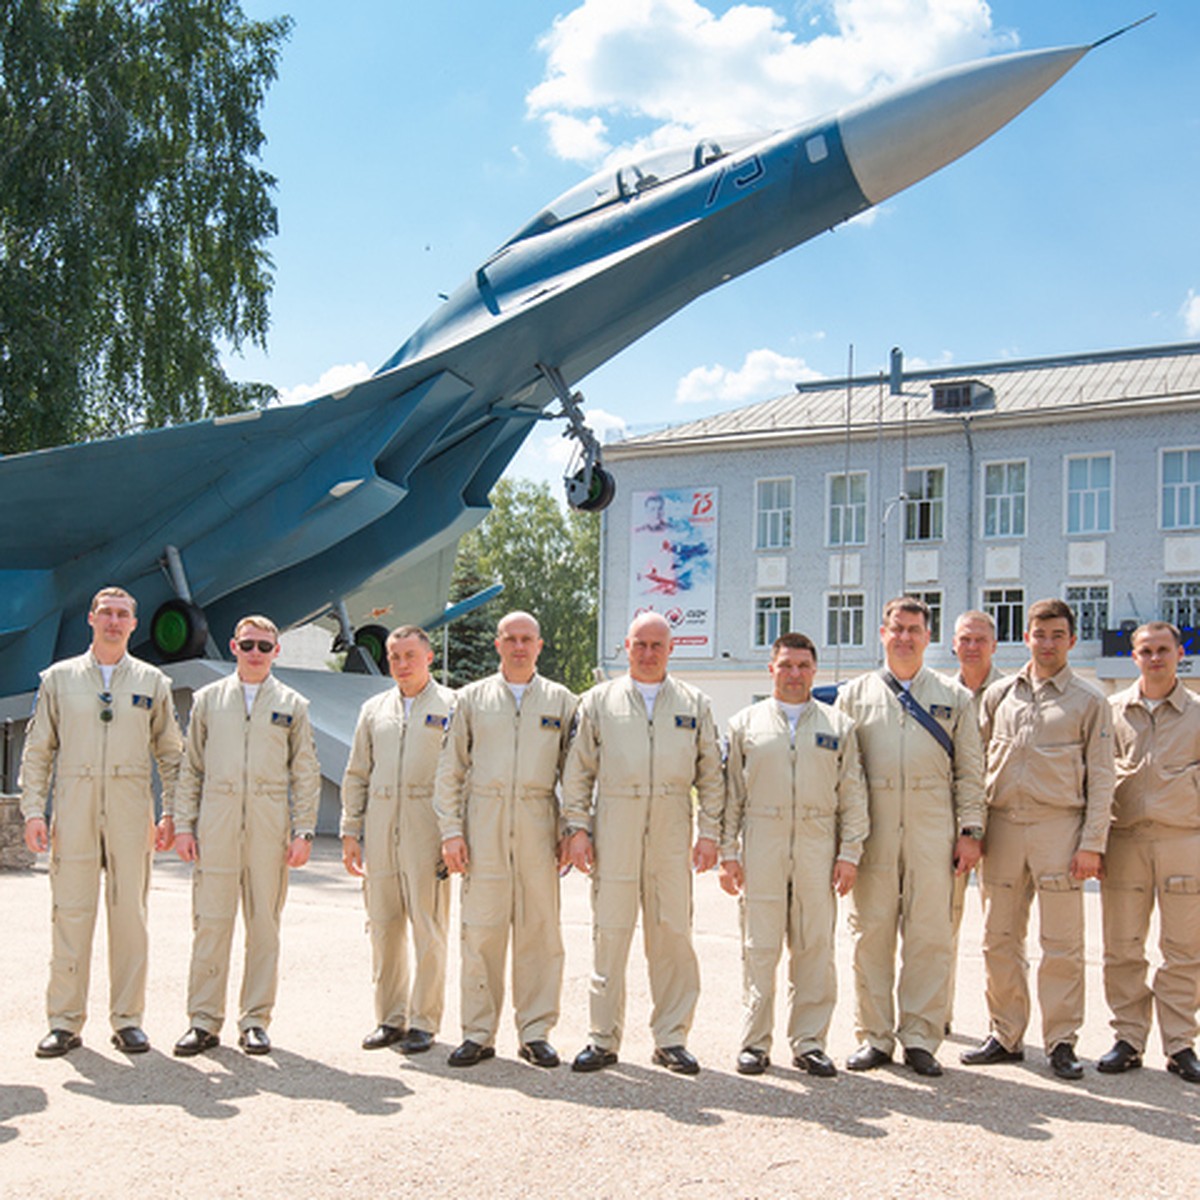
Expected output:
(673, 564)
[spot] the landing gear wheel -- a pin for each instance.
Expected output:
(372, 641)
(179, 630)
(599, 495)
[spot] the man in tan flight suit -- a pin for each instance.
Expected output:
(791, 837)
(498, 813)
(98, 720)
(973, 645)
(245, 811)
(387, 798)
(642, 742)
(923, 763)
(1153, 856)
(1048, 743)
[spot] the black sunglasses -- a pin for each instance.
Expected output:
(106, 713)
(248, 644)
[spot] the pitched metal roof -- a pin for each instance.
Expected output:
(1050, 387)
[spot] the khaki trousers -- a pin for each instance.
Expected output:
(1022, 860)
(958, 904)
(525, 901)
(216, 894)
(1142, 868)
(75, 894)
(666, 907)
(395, 901)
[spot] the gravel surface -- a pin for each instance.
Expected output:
(322, 1117)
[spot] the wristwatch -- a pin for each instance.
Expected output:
(972, 831)
(308, 837)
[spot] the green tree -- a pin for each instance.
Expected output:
(548, 561)
(132, 212)
(469, 640)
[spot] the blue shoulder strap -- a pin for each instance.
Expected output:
(912, 706)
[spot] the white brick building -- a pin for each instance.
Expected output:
(986, 486)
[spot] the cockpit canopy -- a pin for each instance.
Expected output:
(632, 179)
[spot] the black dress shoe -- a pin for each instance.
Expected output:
(131, 1039)
(254, 1040)
(1122, 1057)
(1064, 1063)
(381, 1036)
(195, 1041)
(816, 1062)
(867, 1058)
(58, 1042)
(540, 1053)
(470, 1053)
(676, 1058)
(593, 1058)
(922, 1061)
(1185, 1064)
(752, 1062)
(990, 1052)
(416, 1041)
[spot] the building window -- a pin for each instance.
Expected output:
(772, 618)
(845, 619)
(1004, 500)
(925, 489)
(1089, 494)
(1090, 602)
(934, 602)
(1006, 606)
(1179, 603)
(848, 509)
(773, 507)
(1181, 489)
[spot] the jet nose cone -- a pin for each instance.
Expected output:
(894, 140)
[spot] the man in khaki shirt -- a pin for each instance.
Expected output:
(642, 743)
(387, 795)
(98, 721)
(791, 836)
(1153, 857)
(925, 793)
(245, 811)
(1048, 745)
(498, 814)
(973, 645)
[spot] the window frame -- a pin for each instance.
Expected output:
(983, 500)
(830, 476)
(943, 499)
(1019, 639)
(1079, 623)
(1068, 459)
(756, 612)
(789, 542)
(831, 597)
(1162, 486)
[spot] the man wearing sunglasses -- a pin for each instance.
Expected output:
(387, 798)
(245, 810)
(98, 721)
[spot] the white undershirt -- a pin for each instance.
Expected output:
(1153, 704)
(518, 692)
(649, 693)
(793, 712)
(106, 673)
(408, 703)
(249, 691)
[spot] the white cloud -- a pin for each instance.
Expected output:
(1190, 312)
(341, 376)
(764, 375)
(675, 65)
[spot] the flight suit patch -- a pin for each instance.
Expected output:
(552, 722)
(942, 711)
(278, 718)
(142, 702)
(827, 741)
(683, 722)
(438, 719)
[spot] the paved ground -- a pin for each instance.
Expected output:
(321, 1117)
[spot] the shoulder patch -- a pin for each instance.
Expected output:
(440, 720)
(944, 711)
(828, 741)
(552, 722)
(142, 702)
(684, 721)
(280, 718)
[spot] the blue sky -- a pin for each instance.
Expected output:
(411, 139)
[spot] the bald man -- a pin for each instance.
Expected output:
(642, 742)
(498, 814)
